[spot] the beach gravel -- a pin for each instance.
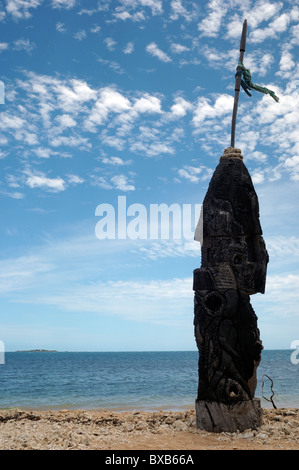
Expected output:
(138, 430)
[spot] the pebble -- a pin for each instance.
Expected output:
(262, 435)
(247, 435)
(180, 425)
(103, 430)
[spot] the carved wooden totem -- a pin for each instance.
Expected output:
(233, 267)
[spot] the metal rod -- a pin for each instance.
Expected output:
(238, 83)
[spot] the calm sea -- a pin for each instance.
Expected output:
(126, 380)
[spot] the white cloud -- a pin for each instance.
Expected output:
(234, 27)
(21, 273)
(262, 11)
(87, 11)
(112, 64)
(154, 50)
(95, 29)
(83, 90)
(155, 5)
(148, 104)
(292, 162)
(80, 35)
(129, 48)
(110, 43)
(100, 181)
(122, 15)
(178, 10)
(39, 180)
(204, 110)
(14, 195)
(75, 179)
(280, 123)
(3, 46)
(63, 3)
(46, 95)
(80, 142)
(190, 173)
(282, 246)
(60, 27)
(211, 24)
(262, 120)
(257, 177)
(218, 59)
(115, 161)
(19, 9)
(178, 48)
(161, 300)
(279, 25)
(151, 149)
(286, 64)
(180, 107)
(292, 166)
(11, 122)
(125, 15)
(43, 152)
(13, 181)
(134, 10)
(121, 183)
(65, 121)
(256, 154)
(258, 62)
(112, 141)
(57, 112)
(71, 97)
(23, 45)
(113, 101)
(281, 297)
(3, 154)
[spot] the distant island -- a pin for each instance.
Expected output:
(38, 350)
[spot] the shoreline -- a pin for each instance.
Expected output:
(119, 409)
(131, 408)
(139, 430)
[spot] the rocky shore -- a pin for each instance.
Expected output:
(138, 430)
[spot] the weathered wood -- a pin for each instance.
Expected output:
(213, 416)
(233, 267)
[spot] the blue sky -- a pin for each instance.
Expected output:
(134, 98)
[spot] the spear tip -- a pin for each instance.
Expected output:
(243, 37)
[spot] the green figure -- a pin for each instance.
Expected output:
(247, 84)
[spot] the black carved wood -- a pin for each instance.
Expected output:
(233, 267)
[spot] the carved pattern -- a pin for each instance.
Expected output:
(234, 264)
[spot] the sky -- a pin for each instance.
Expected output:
(112, 108)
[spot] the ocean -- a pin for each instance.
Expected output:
(123, 381)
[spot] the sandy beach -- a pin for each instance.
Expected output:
(138, 430)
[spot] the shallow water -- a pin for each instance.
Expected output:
(126, 380)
